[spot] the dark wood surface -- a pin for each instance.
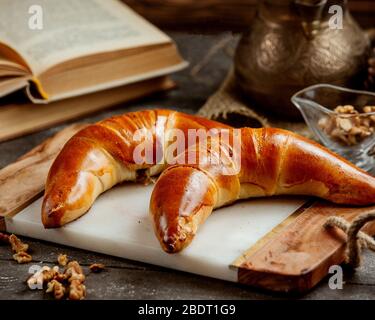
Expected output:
(222, 14)
(126, 279)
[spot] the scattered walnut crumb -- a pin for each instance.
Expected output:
(4, 238)
(50, 274)
(62, 259)
(97, 267)
(69, 284)
(17, 244)
(77, 290)
(74, 272)
(22, 257)
(20, 248)
(61, 277)
(37, 279)
(57, 288)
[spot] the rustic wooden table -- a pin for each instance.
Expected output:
(210, 57)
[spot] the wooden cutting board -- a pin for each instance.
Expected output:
(275, 243)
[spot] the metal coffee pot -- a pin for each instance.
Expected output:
(292, 44)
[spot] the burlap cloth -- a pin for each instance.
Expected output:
(227, 105)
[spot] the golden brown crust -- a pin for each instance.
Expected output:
(332, 177)
(273, 161)
(184, 191)
(101, 155)
(62, 177)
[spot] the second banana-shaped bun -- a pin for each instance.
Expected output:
(273, 162)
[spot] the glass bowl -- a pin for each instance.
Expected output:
(348, 130)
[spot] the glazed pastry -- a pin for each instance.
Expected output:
(273, 162)
(102, 155)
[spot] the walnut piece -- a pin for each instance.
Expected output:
(57, 288)
(69, 284)
(50, 274)
(370, 109)
(97, 267)
(20, 248)
(17, 244)
(348, 109)
(22, 257)
(77, 290)
(39, 278)
(347, 126)
(74, 273)
(62, 259)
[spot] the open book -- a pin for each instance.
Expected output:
(60, 49)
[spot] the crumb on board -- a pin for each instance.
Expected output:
(76, 278)
(68, 284)
(56, 288)
(97, 267)
(62, 259)
(22, 257)
(17, 245)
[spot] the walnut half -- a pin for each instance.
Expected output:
(22, 257)
(17, 245)
(62, 259)
(97, 267)
(57, 289)
(74, 273)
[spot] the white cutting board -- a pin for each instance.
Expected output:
(118, 224)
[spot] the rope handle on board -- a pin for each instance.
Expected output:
(356, 238)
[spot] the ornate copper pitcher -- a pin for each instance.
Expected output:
(293, 44)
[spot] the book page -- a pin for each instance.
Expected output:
(10, 68)
(72, 29)
(10, 85)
